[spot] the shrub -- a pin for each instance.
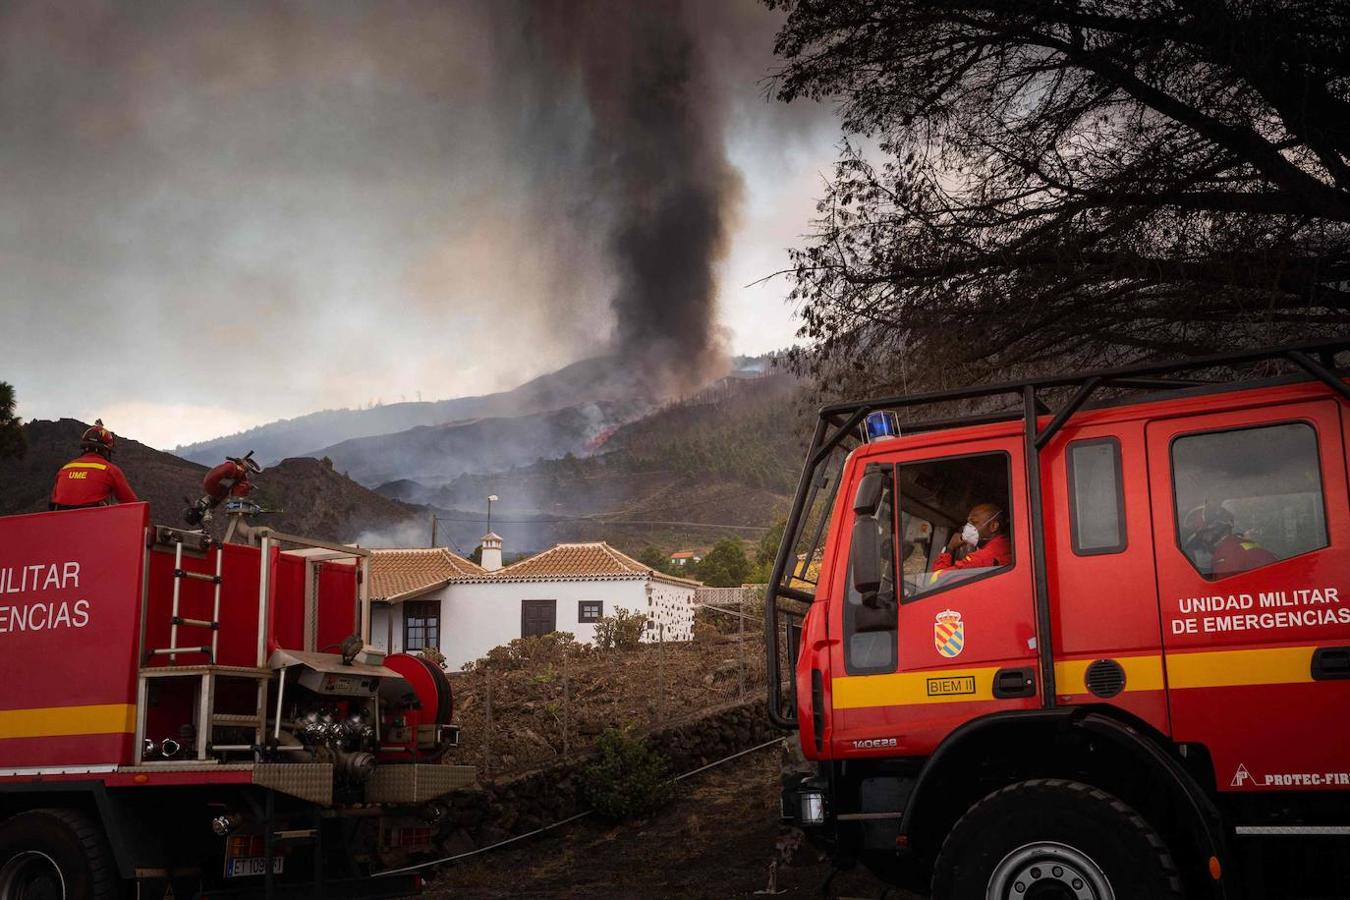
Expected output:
(705, 630)
(527, 651)
(628, 778)
(621, 631)
(432, 655)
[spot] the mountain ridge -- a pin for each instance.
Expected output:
(313, 499)
(595, 379)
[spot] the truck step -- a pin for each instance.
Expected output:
(199, 623)
(295, 834)
(196, 576)
(232, 719)
(1292, 830)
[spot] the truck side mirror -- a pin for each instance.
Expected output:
(868, 496)
(865, 555)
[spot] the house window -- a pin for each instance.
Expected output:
(589, 610)
(421, 625)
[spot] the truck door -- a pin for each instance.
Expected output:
(959, 643)
(1250, 518)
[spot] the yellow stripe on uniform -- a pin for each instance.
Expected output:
(80, 465)
(1233, 668)
(907, 688)
(1142, 673)
(59, 721)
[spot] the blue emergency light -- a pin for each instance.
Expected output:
(881, 425)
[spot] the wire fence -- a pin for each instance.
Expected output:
(548, 700)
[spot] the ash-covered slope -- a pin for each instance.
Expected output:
(316, 501)
(722, 463)
(591, 380)
(434, 454)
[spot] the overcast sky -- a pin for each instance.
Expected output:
(216, 215)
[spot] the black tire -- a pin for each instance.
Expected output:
(55, 854)
(1057, 839)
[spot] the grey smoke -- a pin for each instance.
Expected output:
(240, 212)
(655, 160)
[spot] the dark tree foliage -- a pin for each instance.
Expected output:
(1065, 183)
(12, 441)
(656, 559)
(725, 564)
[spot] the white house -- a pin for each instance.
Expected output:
(407, 590)
(685, 558)
(466, 610)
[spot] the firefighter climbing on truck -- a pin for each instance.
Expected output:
(92, 478)
(1146, 695)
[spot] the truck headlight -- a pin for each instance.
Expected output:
(813, 808)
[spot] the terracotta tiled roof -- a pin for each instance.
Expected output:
(683, 554)
(568, 562)
(400, 574)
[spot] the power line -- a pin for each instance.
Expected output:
(551, 520)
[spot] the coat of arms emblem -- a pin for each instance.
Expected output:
(949, 633)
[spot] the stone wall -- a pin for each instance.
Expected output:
(530, 800)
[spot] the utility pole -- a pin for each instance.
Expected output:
(433, 531)
(492, 498)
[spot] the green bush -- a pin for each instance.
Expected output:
(628, 778)
(621, 631)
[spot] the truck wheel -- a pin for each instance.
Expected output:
(1050, 838)
(55, 854)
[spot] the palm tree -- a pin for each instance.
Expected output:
(12, 441)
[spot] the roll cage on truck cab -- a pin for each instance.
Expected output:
(1148, 696)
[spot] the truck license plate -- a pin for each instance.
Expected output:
(246, 854)
(252, 865)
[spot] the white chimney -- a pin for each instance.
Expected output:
(492, 552)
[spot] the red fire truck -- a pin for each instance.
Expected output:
(1090, 643)
(184, 717)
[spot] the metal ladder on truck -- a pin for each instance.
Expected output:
(207, 719)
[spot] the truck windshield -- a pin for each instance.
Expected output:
(805, 545)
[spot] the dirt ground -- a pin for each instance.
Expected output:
(715, 841)
(553, 703)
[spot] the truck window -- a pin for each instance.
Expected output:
(937, 500)
(1096, 501)
(870, 620)
(1247, 498)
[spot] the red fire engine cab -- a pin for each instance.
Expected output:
(1093, 643)
(192, 717)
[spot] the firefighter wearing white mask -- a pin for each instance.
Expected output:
(981, 544)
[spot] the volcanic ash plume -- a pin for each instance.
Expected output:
(652, 166)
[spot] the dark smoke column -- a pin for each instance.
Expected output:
(655, 166)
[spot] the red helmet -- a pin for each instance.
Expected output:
(97, 439)
(1212, 515)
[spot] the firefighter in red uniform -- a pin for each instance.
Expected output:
(91, 479)
(981, 544)
(1210, 529)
